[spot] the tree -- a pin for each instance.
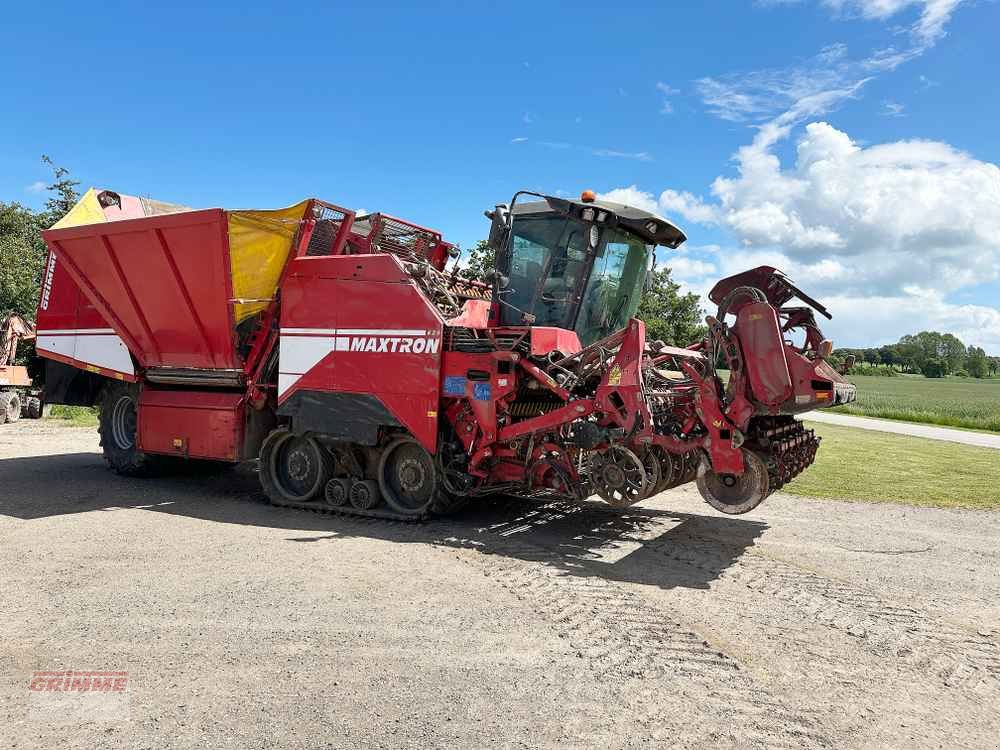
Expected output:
(669, 315)
(22, 255)
(480, 262)
(889, 355)
(952, 351)
(63, 192)
(22, 250)
(976, 362)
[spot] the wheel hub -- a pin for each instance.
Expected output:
(412, 475)
(299, 465)
(613, 476)
(123, 423)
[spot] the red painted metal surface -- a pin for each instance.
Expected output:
(764, 353)
(163, 283)
(192, 424)
(545, 340)
(367, 314)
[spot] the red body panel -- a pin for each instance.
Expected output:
(195, 424)
(764, 353)
(358, 324)
(163, 284)
(545, 340)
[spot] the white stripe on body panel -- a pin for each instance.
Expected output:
(301, 349)
(356, 332)
(75, 332)
(286, 381)
(104, 350)
(62, 345)
(297, 355)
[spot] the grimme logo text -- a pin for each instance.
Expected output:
(74, 681)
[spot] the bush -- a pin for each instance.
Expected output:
(935, 368)
(881, 372)
(961, 374)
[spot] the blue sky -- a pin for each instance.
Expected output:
(851, 142)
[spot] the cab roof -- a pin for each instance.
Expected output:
(650, 227)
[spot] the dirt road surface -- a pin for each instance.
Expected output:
(948, 434)
(804, 625)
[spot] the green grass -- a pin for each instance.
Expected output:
(865, 465)
(952, 402)
(78, 416)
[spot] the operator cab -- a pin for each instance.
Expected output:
(578, 265)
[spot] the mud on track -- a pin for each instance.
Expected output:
(807, 624)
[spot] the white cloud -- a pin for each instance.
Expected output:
(881, 233)
(932, 17)
(867, 321)
(929, 27)
(892, 109)
(38, 186)
(631, 196)
(686, 268)
(614, 154)
(520, 139)
(908, 212)
(666, 91)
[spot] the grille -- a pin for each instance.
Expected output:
(328, 223)
(408, 242)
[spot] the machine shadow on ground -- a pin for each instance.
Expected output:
(638, 545)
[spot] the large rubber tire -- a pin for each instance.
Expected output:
(293, 468)
(118, 426)
(10, 406)
(32, 408)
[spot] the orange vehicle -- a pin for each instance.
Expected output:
(17, 396)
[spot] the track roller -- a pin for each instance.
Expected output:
(337, 492)
(364, 494)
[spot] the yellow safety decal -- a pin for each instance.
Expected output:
(615, 376)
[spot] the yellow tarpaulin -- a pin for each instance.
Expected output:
(87, 211)
(259, 243)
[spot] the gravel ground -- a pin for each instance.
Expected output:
(803, 625)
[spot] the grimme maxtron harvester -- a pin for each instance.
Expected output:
(367, 378)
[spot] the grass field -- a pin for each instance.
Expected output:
(952, 402)
(873, 466)
(79, 416)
